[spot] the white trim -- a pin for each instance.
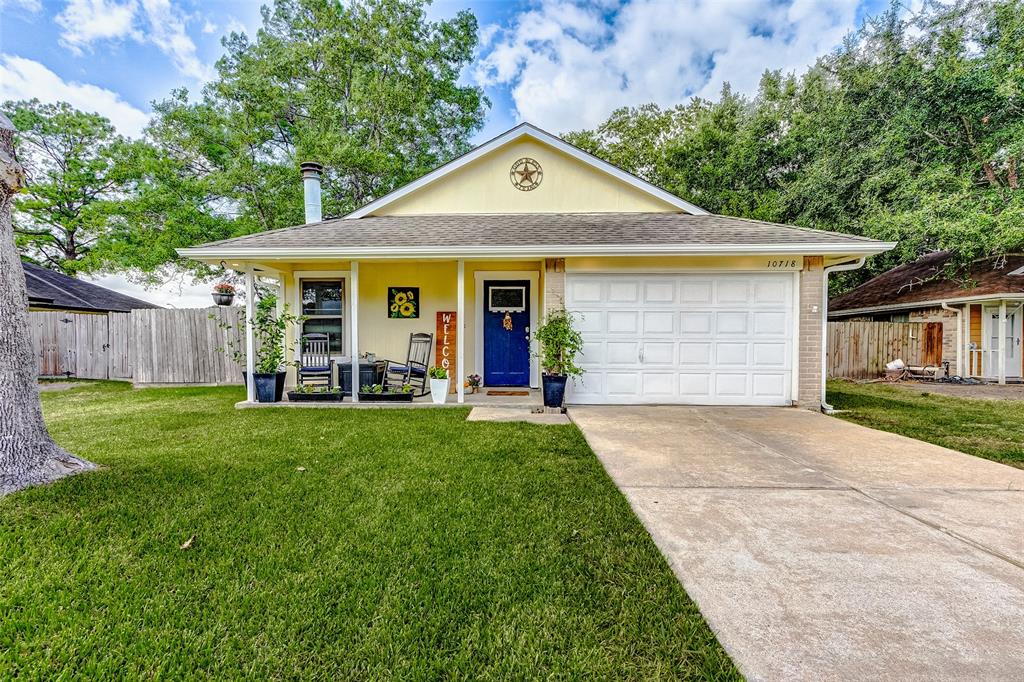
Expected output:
(520, 131)
(344, 276)
(460, 336)
(478, 323)
(250, 341)
(936, 303)
(795, 382)
(823, 360)
(994, 322)
(354, 326)
(536, 251)
(1002, 342)
(515, 309)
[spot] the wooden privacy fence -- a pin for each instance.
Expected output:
(148, 346)
(860, 349)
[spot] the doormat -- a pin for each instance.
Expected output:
(497, 392)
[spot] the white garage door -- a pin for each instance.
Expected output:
(723, 339)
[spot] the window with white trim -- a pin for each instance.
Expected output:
(323, 306)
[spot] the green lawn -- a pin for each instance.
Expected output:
(415, 545)
(993, 429)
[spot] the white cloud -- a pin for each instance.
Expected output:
(569, 64)
(86, 21)
(167, 31)
(22, 78)
(156, 22)
(30, 5)
(235, 25)
(209, 27)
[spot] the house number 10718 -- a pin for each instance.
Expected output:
(779, 264)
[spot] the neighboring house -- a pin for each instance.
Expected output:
(982, 332)
(675, 305)
(49, 290)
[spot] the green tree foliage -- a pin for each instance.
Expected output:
(75, 183)
(369, 89)
(912, 131)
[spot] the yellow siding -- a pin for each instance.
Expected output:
(975, 322)
(568, 186)
(389, 338)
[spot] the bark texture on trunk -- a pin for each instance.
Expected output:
(28, 456)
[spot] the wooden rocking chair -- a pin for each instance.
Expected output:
(414, 370)
(315, 362)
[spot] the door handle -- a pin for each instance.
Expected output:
(640, 355)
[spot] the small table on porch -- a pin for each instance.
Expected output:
(369, 373)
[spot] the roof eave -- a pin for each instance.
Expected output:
(535, 251)
(933, 303)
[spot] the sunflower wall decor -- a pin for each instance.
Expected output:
(403, 302)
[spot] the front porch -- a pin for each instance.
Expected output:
(520, 399)
(480, 314)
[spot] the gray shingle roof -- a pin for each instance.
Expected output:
(55, 290)
(540, 229)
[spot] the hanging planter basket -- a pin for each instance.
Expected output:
(223, 294)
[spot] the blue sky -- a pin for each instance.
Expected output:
(560, 64)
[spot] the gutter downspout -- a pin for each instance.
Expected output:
(842, 267)
(959, 337)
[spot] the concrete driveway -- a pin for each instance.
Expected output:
(819, 549)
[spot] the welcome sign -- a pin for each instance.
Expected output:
(447, 338)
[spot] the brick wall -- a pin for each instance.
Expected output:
(554, 284)
(811, 283)
(948, 320)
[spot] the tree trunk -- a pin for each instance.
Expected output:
(28, 456)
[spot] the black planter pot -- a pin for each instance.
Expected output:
(554, 389)
(223, 299)
(385, 397)
(296, 397)
(266, 387)
(279, 378)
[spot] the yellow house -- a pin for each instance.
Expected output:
(675, 305)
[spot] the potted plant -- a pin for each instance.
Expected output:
(438, 384)
(560, 343)
(376, 393)
(223, 293)
(473, 383)
(269, 330)
(311, 393)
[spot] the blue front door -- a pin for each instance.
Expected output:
(507, 333)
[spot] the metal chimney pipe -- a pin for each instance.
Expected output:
(311, 190)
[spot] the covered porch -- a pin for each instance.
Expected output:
(479, 314)
(989, 338)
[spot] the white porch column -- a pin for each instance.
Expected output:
(250, 341)
(972, 370)
(1002, 342)
(354, 327)
(460, 336)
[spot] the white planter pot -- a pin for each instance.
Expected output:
(439, 390)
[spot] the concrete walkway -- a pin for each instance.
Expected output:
(819, 549)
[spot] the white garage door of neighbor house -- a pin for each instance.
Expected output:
(722, 339)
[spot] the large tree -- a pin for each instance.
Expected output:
(912, 131)
(74, 182)
(28, 456)
(370, 89)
